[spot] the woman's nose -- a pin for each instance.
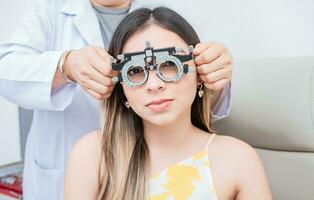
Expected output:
(154, 83)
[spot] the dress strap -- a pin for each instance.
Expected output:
(209, 141)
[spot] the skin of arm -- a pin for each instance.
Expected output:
(237, 169)
(58, 79)
(81, 178)
(252, 183)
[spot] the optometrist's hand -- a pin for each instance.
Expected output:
(214, 64)
(91, 68)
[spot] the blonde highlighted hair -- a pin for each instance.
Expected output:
(125, 156)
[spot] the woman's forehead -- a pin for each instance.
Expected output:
(157, 36)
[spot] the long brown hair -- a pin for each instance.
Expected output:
(125, 157)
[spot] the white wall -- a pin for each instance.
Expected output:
(10, 15)
(253, 28)
(10, 152)
(249, 28)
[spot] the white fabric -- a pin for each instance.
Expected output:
(33, 51)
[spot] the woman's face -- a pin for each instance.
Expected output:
(158, 102)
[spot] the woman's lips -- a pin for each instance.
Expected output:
(159, 105)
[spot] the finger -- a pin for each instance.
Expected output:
(103, 66)
(100, 78)
(108, 58)
(200, 47)
(102, 52)
(94, 94)
(101, 89)
(209, 54)
(100, 60)
(218, 85)
(106, 96)
(217, 75)
(215, 65)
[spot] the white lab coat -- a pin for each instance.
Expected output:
(51, 27)
(32, 53)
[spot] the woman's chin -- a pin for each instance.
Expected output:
(161, 121)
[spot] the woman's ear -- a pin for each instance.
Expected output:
(199, 81)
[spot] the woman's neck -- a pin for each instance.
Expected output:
(111, 4)
(171, 137)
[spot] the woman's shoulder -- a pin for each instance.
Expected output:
(89, 145)
(82, 171)
(233, 150)
(87, 149)
(231, 144)
(236, 163)
(92, 138)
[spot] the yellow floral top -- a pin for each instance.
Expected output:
(189, 179)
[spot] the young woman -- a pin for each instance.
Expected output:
(156, 140)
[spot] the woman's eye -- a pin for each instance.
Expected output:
(135, 71)
(169, 64)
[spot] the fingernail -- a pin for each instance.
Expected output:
(115, 79)
(112, 60)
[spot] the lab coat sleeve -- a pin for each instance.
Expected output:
(28, 62)
(223, 105)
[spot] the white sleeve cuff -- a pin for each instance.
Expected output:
(223, 105)
(63, 96)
